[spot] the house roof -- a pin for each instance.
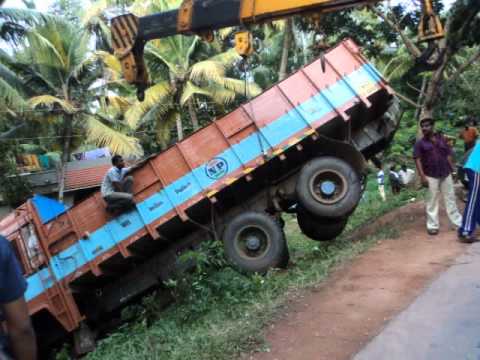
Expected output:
(86, 174)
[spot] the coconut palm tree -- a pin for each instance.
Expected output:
(183, 75)
(54, 62)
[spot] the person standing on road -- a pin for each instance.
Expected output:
(471, 214)
(469, 134)
(21, 341)
(394, 180)
(433, 158)
(406, 175)
(381, 181)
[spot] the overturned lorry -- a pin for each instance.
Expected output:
(302, 144)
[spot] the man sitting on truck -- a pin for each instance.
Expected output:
(117, 186)
(13, 308)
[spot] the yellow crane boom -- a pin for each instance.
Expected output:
(202, 17)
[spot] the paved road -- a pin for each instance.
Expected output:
(441, 324)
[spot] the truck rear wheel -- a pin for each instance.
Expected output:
(320, 229)
(255, 242)
(328, 187)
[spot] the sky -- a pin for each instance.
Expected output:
(42, 5)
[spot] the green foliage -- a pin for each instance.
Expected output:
(13, 188)
(220, 312)
(460, 96)
(401, 149)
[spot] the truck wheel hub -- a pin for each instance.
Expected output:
(253, 243)
(327, 188)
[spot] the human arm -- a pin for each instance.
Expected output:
(13, 305)
(417, 152)
(423, 178)
(449, 153)
(451, 162)
(113, 179)
(20, 330)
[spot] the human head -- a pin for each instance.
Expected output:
(426, 124)
(393, 167)
(470, 121)
(377, 163)
(404, 167)
(117, 161)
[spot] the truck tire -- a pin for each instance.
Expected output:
(328, 187)
(254, 242)
(320, 229)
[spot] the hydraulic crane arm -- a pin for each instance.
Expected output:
(202, 17)
(197, 17)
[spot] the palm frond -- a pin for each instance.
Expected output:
(238, 86)
(79, 57)
(14, 22)
(163, 128)
(110, 61)
(105, 32)
(50, 101)
(222, 95)
(154, 95)
(156, 114)
(214, 68)
(119, 103)
(227, 58)
(11, 78)
(27, 16)
(49, 54)
(158, 53)
(189, 90)
(207, 70)
(191, 49)
(10, 97)
(61, 35)
(117, 142)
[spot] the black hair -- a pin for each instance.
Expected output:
(116, 159)
(470, 119)
(427, 119)
(376, 162)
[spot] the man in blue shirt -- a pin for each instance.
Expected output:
(14, 307)
(471, 214)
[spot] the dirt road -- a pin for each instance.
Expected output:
(336, 319)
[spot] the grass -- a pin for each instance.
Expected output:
(221, 313)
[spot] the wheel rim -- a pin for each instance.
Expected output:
(328, 186)
(252, 242)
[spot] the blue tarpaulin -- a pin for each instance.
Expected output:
(47, 208)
